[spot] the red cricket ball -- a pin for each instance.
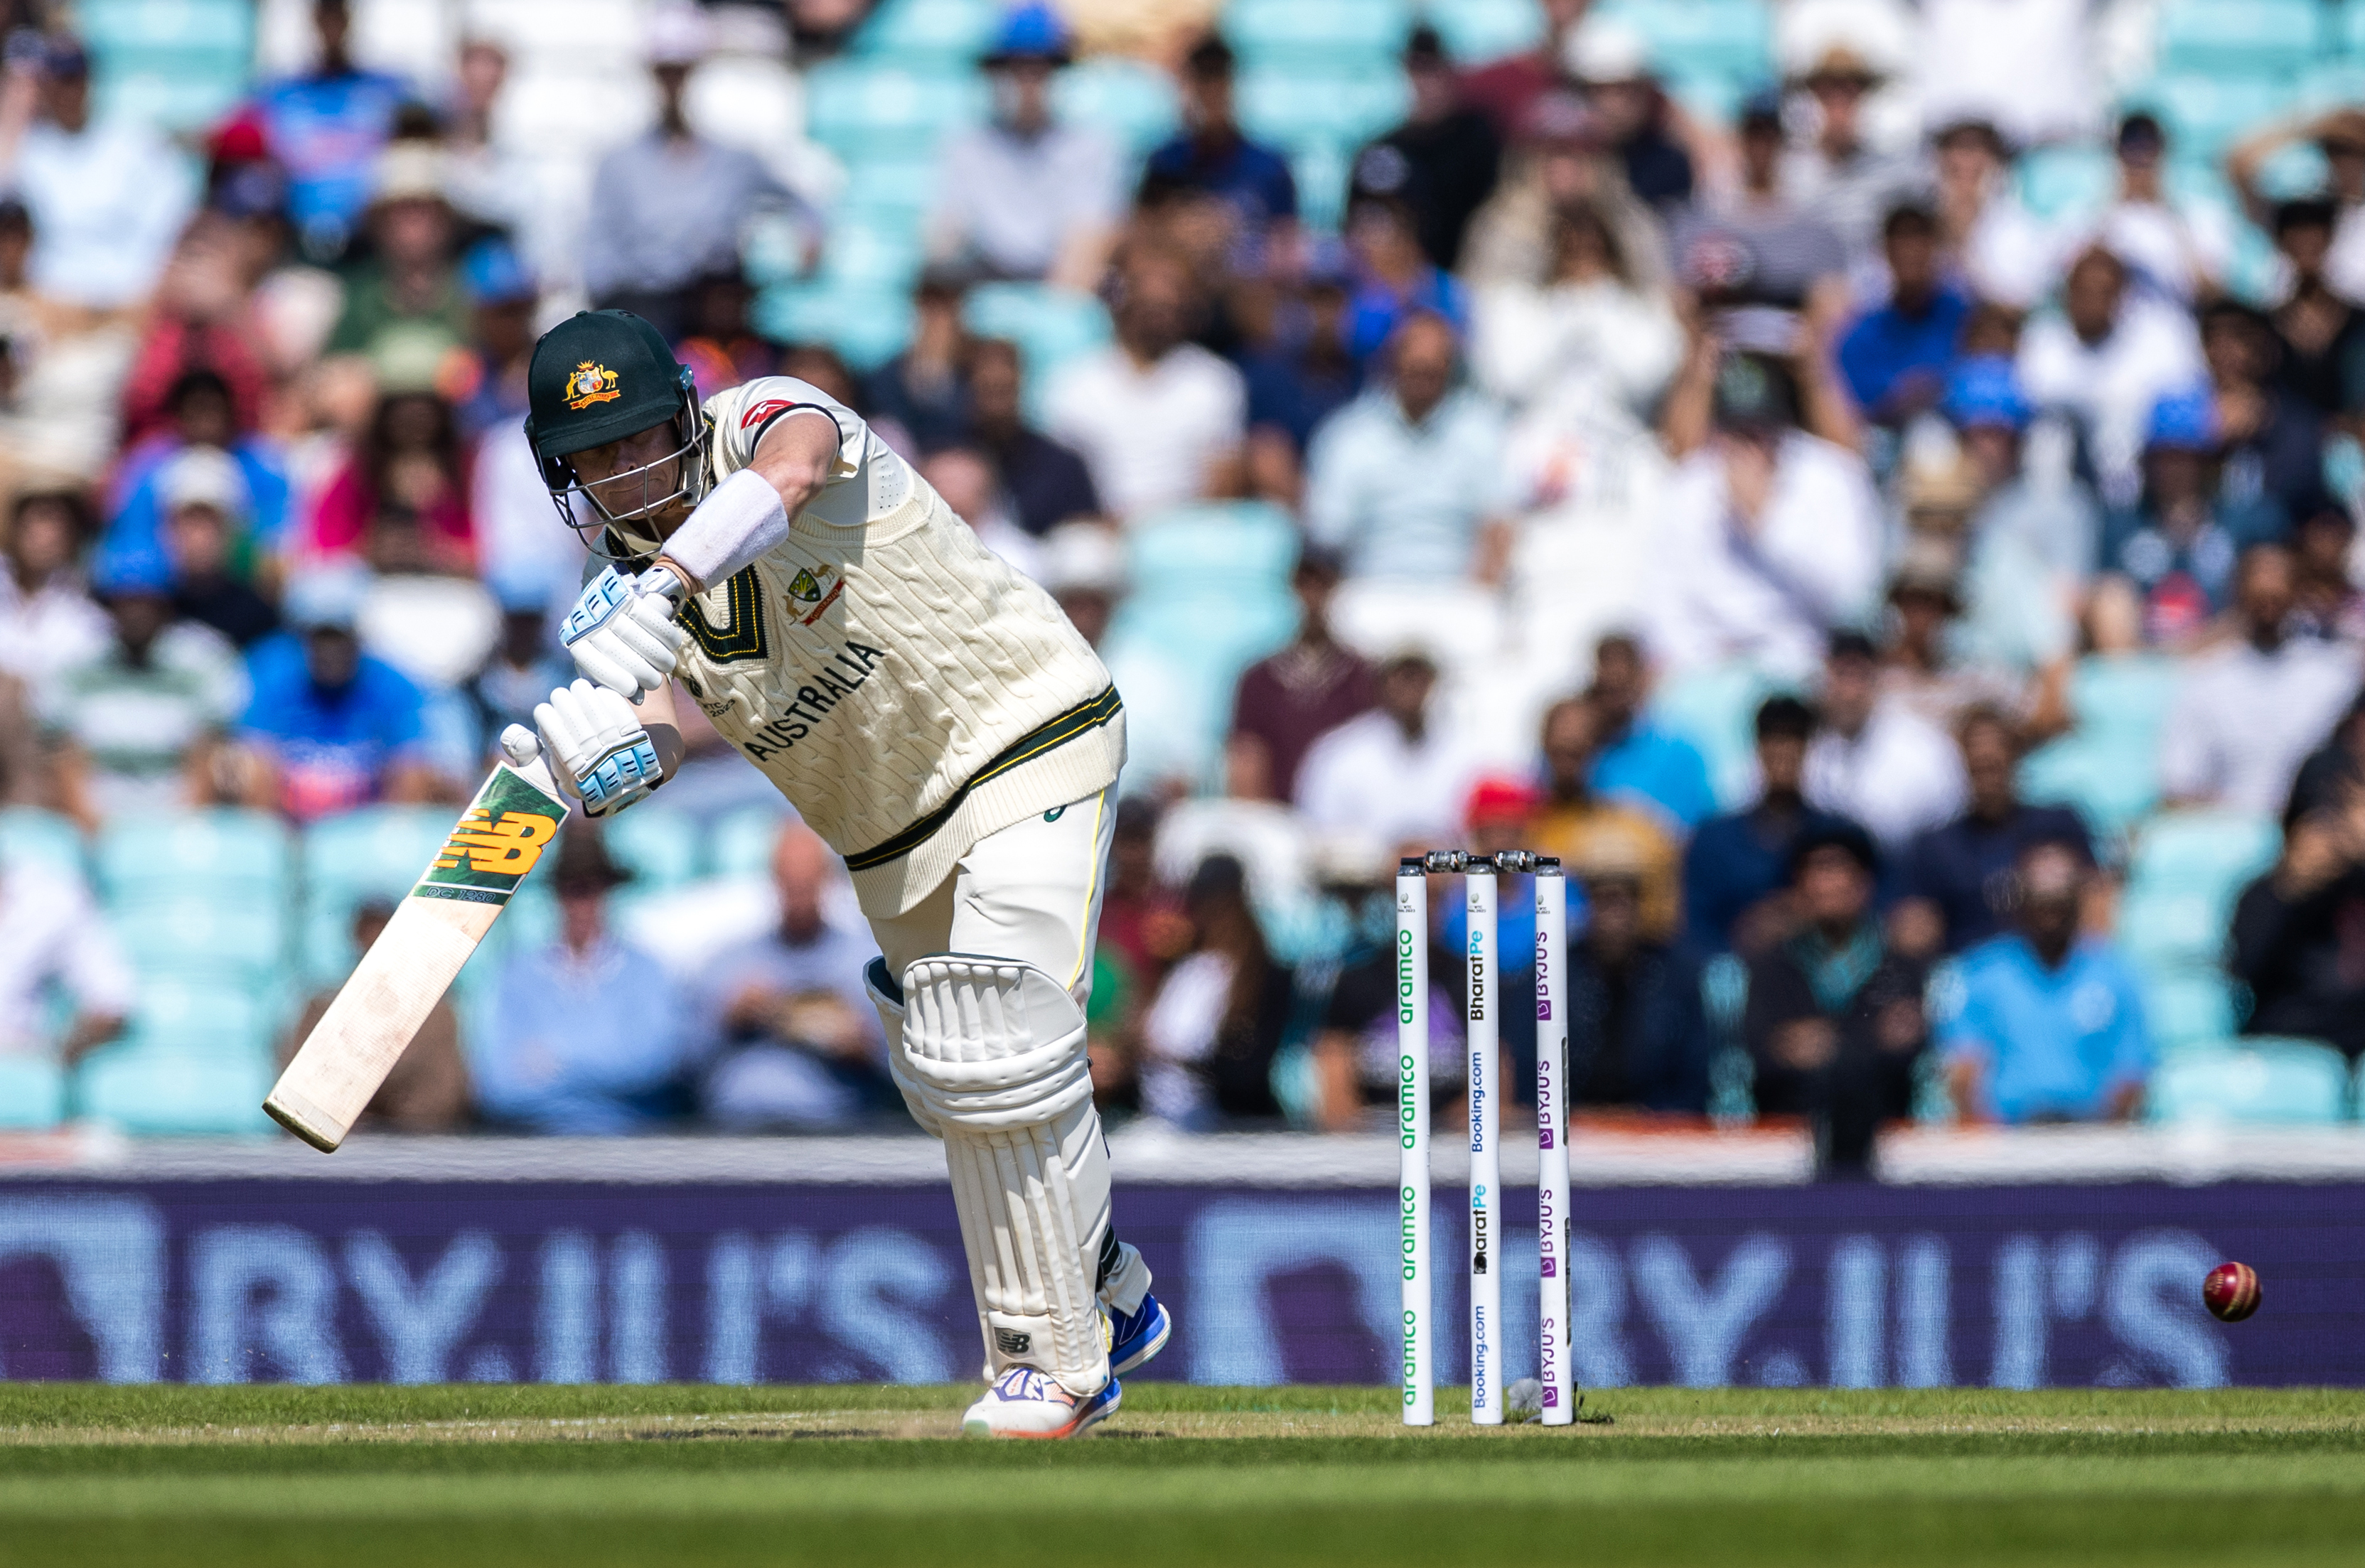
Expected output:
(2231, 1292)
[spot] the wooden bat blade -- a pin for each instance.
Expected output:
(345, 1059)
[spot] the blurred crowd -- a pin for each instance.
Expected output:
(1840, 557)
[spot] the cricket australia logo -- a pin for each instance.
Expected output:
(810, 596)
(590, 384)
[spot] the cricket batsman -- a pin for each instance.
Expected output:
(929, 712)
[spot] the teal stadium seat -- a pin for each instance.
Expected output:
(860, 106)
(1476, 31)
(2205, 114)
(2249, 38)
(378, 852)
(1133, 103)
(1292, 108)
(1320, 170)
(220, 854)
(239, 942)
(904, 30)
(2265, 1080)
(2108, 767)
(891, 189)
(2058, 181)
(41, 838)
(2190, 1008)
(741, 845)
(158, 1088)
(868, 254)
(32, 1093)
(1317, 32)
(1690, 38)
(660, 848)
(2209, 852)
(203, 1013)
(867, 326)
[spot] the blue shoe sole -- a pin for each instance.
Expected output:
(1143, 1351)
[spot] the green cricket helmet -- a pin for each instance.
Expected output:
(598, 376)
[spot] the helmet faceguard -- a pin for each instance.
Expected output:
(582, 507)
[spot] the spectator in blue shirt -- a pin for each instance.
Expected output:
(1958, 877)
(1638, 759)
(1736, 871)
(338, 728)
(2049, 1027)
(1310, 371)
(325, 127)
(1394, 279)
(202, 414)
(1896, 358)
(2181, 540)
(586, 1034)
(1213, 157)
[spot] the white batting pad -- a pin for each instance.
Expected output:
(994, 1056)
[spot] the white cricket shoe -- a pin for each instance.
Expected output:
(1023, 1403)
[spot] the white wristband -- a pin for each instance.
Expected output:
(739, 522)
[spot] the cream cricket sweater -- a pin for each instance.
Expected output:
(905, 689)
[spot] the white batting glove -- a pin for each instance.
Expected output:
(603, 754)
(621, 631)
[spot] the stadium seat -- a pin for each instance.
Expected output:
(2163, 931)
(1320, 170)
(2250, 38)
(859, 107)
(32, 1093)
(2214, 853)
(2205, 114)
(237, 941)
(2290, 1083)
(904, 30)
(2055, 182)
(741, 845)
(41, 838)
(887, 188)
(216, 854)
(867, 327)
(1317, 32)
(202, 1014)
(1732, 37)
(223, 27)
(660, 848)
(182, 96)
(378, 852)
(1295, 108)
(145, 1088)
(1476, 31)
(1716, 710)
(2189, 1009)
(2108, 767)
(1131, 102)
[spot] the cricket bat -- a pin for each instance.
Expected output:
(399, 982)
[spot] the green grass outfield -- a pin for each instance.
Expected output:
(462, 1476)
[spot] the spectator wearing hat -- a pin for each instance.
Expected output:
(785, 1036)
(2248, 711)
(1596, 340)
(1925, 667)
(47, 621)
(1587, 829)
(1769, 536)
(1638, 759)
(1988, 239)
(1024, 196)
(404, 308)
(1896, 358)
(1834, 1021)
(667, 207)
(325, 127)
(2105, 360)
(1157, 419)
(1638, 1038)
(2178, 248)
(1759, 248)
(1507, 90)
(136, 725)
(2322, 332)
(1442, 161)
(2298, 930)
(204, 500)
(201, 412)
(2048, 1023)
(2270, 443)
(488, 389)
(1397, 772)
(1213, 156)
(1405, 483)
(2181, 539)
(1611, 66)
(586, 1036)
(2339, 135)
(1838, 170)
(1876, 762)
(1956, 878)
(1286, 700)
(1044, 483)
(337, 727)
(428, 1090)
(107, 198)
(1556, 160)
(1735, 869)
(1309, 370)
(2034, 536)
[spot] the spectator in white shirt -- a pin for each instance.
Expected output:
(1406, 481)
(1594, 335)
(107, 199)
(2000, 249)
(2246, 714)
(2175, 249)
(1396, 774)
(1024, 196)
(1875, 759)
(1157, 419)
(48, 620)
(50, 936)
(1769, 536)
(2105, 359)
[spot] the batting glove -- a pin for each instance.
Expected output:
(603, 754)
(622, 631)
